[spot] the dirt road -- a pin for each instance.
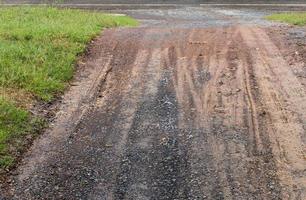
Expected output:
(176, 112)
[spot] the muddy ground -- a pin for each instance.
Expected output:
(196, 103)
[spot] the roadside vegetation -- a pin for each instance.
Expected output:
(38, 50)
(295, 18)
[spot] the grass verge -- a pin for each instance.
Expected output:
(38, 50)
(17, 127)
(295, 18)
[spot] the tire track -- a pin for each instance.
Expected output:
(286, 128)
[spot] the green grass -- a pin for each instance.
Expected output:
(15, 124)
(38, 46)
(295, 18)
(38, 50)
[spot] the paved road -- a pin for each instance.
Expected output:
(153, 2)
(197, 103)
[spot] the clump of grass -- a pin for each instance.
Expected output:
(295, 18)
(15, 125)
(38, 50)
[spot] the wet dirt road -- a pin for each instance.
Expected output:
(182, 111)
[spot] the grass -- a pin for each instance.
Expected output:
(38, 50)
(15, 125)
(295, 18)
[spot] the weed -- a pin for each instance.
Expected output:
(295, 18)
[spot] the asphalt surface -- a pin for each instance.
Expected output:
(156, 1)
(196, 103)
